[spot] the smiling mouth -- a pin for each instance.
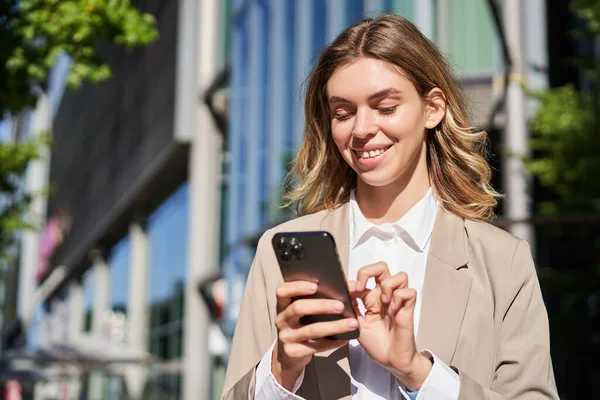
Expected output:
(370, 154)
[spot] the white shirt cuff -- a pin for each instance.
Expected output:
(267, 387)
(442, 383)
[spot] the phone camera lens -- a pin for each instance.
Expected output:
(282, 243)
(296, 246)
(286, 255)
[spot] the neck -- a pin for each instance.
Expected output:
(389, 203)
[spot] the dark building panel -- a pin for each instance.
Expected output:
(561, 43)
(114, 139)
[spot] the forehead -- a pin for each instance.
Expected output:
(366, 76)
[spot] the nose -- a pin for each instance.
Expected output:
(365, 123)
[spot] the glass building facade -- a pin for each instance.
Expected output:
(88, 299)
(119, 276)
(473, 48)
(168, 243)
(167, 234)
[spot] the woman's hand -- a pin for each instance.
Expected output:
(386, 329)
(296, 343)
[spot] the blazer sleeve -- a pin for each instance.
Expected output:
(254, 333)
(523, 368)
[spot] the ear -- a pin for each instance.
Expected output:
(435, 107)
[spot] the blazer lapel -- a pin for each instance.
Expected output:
(446, 289)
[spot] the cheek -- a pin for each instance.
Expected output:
(404, 125)
(341, 136)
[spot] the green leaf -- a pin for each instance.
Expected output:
(42, 29)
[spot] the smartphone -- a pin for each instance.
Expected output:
(312, 257)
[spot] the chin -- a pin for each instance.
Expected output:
(376, 178)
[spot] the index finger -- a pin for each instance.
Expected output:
(287, 290)
(379, 271)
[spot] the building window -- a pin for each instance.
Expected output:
(404, 8)
(88, 296)
(35, 329)
(472, 42)
(119, 262)
(168, 240)
(354, 12)
(119, 275)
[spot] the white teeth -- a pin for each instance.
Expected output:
(372, 153)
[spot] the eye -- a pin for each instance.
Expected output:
(387, 110)
(342, 115)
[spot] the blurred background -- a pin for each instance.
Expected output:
(143, 146)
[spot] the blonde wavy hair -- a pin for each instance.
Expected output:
(459, 173)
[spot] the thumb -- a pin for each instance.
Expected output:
(402, 306)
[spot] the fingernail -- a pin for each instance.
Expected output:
(384, 298)
(352, 323)
(338, 306)
(312, 286)
(358, 286)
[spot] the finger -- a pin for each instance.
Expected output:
(403, 299)
(300, 350)
(325, 344)
(288, 290)
(351, 286)
(290, 316)
(355, 306)
(366, 295)
(379, 271)
(400, 280)
(318, 330)
(372, 301)
(354, 292)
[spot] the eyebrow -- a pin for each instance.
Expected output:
(379, 95)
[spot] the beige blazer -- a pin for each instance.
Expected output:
(482, 313)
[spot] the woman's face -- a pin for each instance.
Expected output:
(379, 121)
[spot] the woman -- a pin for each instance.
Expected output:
(449, 306)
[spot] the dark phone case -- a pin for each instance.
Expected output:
(312, 256)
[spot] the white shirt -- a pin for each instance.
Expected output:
(404, 246)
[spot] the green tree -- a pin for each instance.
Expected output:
(565, 130)
(566, 147)
(33, 33)
(14, 158)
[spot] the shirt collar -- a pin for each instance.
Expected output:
(414, 228)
